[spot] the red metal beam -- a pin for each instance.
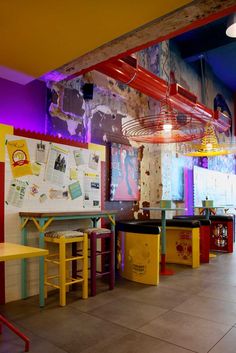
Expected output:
(137, 77)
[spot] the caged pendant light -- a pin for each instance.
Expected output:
(167, 126)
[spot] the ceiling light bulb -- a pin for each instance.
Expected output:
(167, 127)
(209, 146)
(231, 26)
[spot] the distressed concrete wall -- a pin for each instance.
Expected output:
(184, 74)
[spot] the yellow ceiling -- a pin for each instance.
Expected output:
(40, 36)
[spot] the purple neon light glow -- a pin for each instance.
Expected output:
(23, 107)
(54, 76)
(188, 191)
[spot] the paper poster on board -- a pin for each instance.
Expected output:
(94, 159)
(81, 156)
(92, 190)
(56, 165)
(16, 193)
(41, 152)
(19, 158)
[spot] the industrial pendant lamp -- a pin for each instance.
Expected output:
(208, 147)
(231, 26)
(167, 126)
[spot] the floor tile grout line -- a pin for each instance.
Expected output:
(136, 301)
(171, 310)
(203, 318)
(144, 334)
(190, 315)
(163, 340)
(220, 299)
(220, 339)
(73, 305)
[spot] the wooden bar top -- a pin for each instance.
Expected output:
(11, 251)
(67, 213)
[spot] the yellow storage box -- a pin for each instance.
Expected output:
(138, 254)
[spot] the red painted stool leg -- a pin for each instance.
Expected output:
(103, 258)
(17, 332)
(112, 263)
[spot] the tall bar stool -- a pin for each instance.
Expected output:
(106, 256)
(63, 280)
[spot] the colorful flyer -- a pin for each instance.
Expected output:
(19, 158)
(75, 190)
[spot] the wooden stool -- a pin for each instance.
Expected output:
(62, 238)
(107, 250)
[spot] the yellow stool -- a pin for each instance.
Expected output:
(63, 280)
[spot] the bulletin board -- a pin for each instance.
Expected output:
(43, 176)
(46, 176)
(216, 186)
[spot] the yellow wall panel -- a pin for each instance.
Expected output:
(4, 130)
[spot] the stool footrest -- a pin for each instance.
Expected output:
(73, 258)
(100, 274)
(53, 276)
(99, 252)
(68, 283)
(51, 284)
(56, 262)
(74, 280)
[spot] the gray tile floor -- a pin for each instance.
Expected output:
(191, 311)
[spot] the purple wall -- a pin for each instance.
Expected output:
(23, 106)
